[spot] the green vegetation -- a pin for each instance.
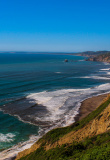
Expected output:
(55, 134)
(93, 53)
(95, 148)
(103, 56)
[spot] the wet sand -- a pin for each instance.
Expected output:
(89, 105)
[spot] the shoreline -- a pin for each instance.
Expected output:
(87, 106)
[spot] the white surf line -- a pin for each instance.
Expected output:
(77, 95)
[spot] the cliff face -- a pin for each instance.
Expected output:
(96, 123)
(97, 126)
(101, 58)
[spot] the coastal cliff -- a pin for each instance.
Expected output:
(86, 139)
(92, 53)
(101, 58)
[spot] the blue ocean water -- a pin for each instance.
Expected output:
(56, 86)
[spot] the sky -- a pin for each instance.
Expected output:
(54, 25)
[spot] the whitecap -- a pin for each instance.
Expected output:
(13, 151)
(63, 105)
(97, 77)
(106, 69)
(59, 102)
(58, 72)
(108, 73)
(106, 63)
(9, 137)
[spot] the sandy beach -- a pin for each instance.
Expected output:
(89, 105)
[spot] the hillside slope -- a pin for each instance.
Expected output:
(101, 58)
(92, 53)
(86, 139)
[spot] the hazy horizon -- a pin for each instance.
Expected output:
(49, 51)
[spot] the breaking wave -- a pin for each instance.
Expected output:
(7, 137)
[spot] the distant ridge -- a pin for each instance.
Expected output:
(101, 56)
(92, 53)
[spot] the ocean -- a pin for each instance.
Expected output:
(39, 92)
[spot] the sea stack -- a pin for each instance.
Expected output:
(66, 60)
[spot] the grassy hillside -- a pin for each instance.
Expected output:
(92, 53)
(95, 148)
(80, 141)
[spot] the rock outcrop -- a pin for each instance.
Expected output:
(66, 60)
(100, 58)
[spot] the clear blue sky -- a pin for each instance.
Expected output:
(54, 25)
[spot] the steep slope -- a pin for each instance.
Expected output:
(79, 139)
(101, 58)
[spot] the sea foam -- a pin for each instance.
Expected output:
(62, 105)
(7, 137)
